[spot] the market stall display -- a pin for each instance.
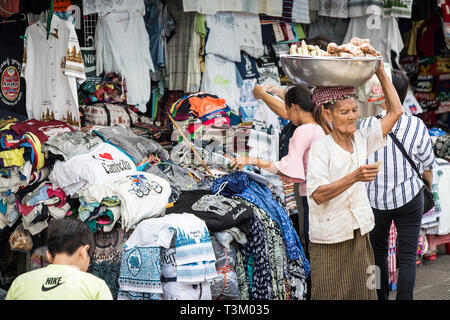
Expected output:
(125, 139)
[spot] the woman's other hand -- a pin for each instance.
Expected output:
(367, 172)
(239, 162)
(258, 91)
(380, 68)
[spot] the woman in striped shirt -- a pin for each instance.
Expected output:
(396, 194)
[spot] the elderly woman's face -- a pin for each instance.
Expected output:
(344, 115)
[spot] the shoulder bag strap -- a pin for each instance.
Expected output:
(402, 149)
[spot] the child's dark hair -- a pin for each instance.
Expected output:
(301, 96)
(67, 235)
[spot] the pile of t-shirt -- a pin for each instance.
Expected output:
(168, 258)
(23, 172)
(100, 170)
(196, 113)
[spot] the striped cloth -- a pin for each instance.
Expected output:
(392, 256)
(341, 271)
(289, 197)
(300, 11)
(401, 11)
(397, 182)
(360, 8)
(286, 15)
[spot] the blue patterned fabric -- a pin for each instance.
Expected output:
(239, 184)
(256, 259)
(140, 270)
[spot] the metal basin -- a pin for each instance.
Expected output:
(329, 71)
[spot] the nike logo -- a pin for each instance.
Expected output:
(53, 281)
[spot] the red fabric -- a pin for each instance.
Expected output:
(23, 209)
(58, 193)
(42, 130)
(426, 35)
(446, 11)
(202, 106)
(61, 5)
(323, 95)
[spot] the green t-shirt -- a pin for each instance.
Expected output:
(58, 282)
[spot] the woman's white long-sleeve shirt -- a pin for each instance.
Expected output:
(334, 220)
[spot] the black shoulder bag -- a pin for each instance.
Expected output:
(428, 200)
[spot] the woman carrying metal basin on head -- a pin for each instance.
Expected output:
(341, 256)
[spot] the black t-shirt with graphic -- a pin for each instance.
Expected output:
(12, 85)
(218, 212)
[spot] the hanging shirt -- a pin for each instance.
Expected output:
(300, 11)
(334, 28)
(214, 6)
(220, 79)
(358, 8)
(241, 29)
(99, 6)
(122, 46)
(12, 85)
(52, 68)
(333, 8)
(383, 33)
(401, 10)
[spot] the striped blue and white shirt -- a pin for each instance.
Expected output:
(397, 182)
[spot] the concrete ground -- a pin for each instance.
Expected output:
(432, 279)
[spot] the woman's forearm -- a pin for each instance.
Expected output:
(267, 165)
(332, 190)
(276, 105)
(394, 106)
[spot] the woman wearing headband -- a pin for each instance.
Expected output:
(341, 256)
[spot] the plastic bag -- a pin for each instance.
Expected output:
(371, 90)
(20, 240)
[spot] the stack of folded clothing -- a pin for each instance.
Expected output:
(23, 174)
(198, 112)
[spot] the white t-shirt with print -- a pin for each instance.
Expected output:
(142, 195)
(80, 171)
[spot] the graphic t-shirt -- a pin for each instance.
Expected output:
(43, 130)
(80, 171)
(142, 195)
(12, 85)
(58, 282)
(218, 212)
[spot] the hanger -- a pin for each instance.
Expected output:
(6, 11)
(15, 20)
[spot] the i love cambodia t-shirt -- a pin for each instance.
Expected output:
(105, 161)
